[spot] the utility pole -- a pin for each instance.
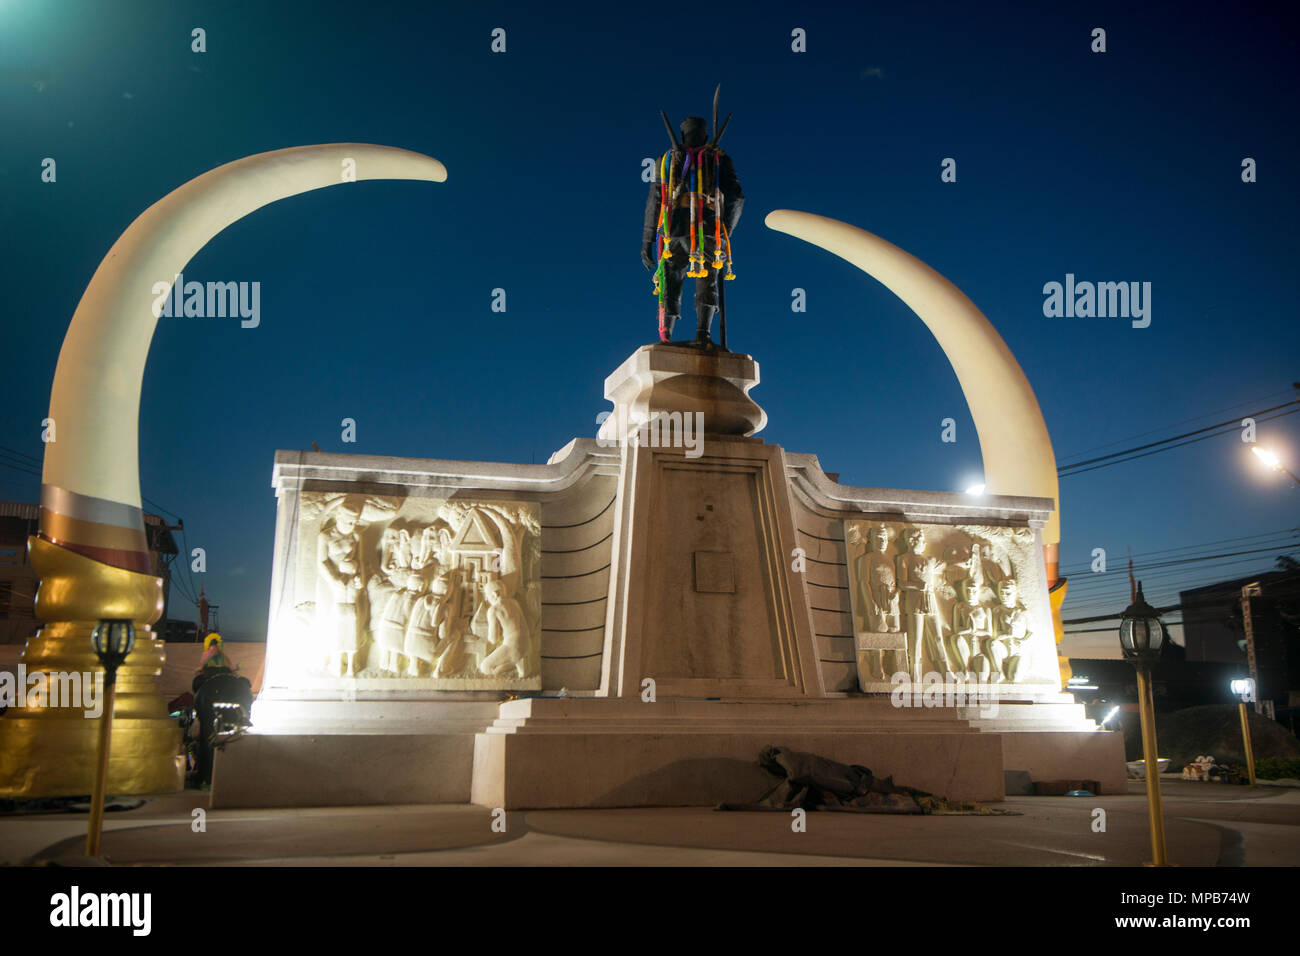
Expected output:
(1248, 591)
(167, 577)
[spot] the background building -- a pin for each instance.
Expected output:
(1214, 631)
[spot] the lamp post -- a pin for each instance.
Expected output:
(1244, 688)
(1270, 460)
(112, 641)
(1142, 636)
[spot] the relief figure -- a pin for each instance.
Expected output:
(877, 598)
(1010, 631)
(339, 602)
(506, 633)
(918, 582)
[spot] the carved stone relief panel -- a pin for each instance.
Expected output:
(412, 593)
(965, 602)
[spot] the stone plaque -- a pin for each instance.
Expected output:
(714, 572)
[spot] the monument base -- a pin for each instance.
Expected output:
(549, 753)
(608, 752)
(326, 753)
(336, 770)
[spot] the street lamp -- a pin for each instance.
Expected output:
(1244, 688)
(1142, 636)
(1272, 461)
(112, 641)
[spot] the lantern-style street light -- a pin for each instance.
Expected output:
(1142, 636)
(1244, 688)
(112, 641)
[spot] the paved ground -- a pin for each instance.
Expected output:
(1206, 824)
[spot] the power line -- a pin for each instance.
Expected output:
(21, 454)
(1235, 421)
(1173, 578)
(1180, 567)
(1168, 609)
(1115, 458)
(26, 460)
(1098, 601)
(1087, 565)
(1190, 441)
(1193, 559)
(155, 504)
(20, 466)
(1180, 578)
(1175, 565)
(1252, 401)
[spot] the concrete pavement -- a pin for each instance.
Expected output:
(1206, 825)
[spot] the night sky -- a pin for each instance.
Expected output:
(375, 297)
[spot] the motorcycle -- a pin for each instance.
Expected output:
(219, 714)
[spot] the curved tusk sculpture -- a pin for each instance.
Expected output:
(1014, 443)
(91, 553)
(90, 486)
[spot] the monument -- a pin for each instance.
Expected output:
(628, 624)
(699, 595)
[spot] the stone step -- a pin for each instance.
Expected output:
(1021, 727)
(1011, 718)
(611, 708)
(405, 717)
(649, 726)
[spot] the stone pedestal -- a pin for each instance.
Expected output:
(662, 381)
(704, 600)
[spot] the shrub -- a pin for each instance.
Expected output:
(1275, 768)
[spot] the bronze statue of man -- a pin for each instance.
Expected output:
(690, 214)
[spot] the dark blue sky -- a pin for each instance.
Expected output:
(376, 297)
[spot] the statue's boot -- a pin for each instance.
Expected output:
(666, 323)
(705, 325)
